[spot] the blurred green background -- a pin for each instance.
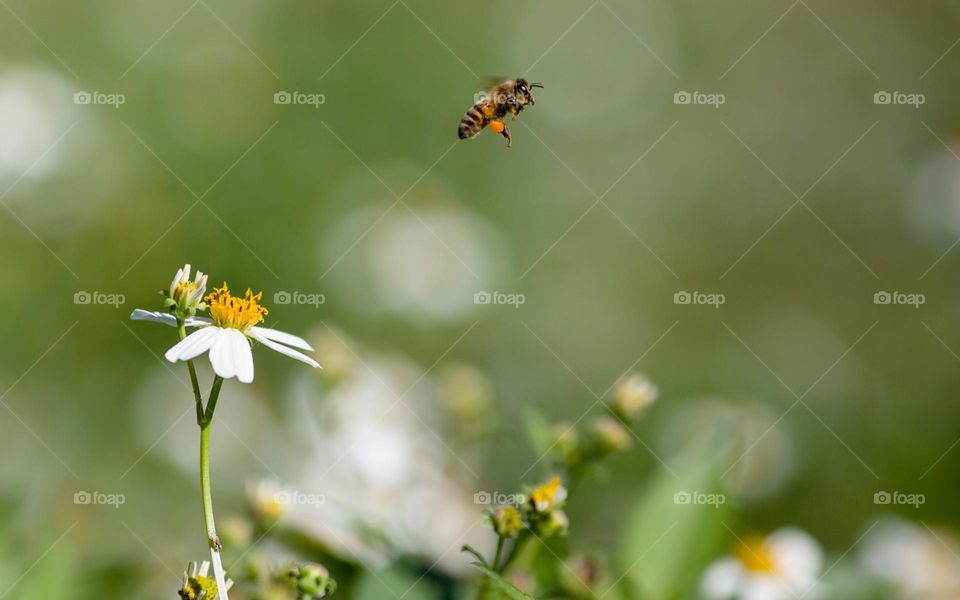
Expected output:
(798, 199)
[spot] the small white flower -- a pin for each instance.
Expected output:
(784, 565)
(633, 395)
(227, 333)
(919, 563)
(186, 295)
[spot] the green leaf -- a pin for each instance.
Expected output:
(673, 531)
(501, 584)
(476, 553)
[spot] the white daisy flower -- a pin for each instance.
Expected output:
(226, 334)
(784, 565)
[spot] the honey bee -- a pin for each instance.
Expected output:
(506, 97)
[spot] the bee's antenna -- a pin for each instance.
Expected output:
(539, 85)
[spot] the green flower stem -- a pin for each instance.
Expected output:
(496, 556)
(207, 497)
(485, 587)
(205, 423)
(182, 331)
(518, 546)
(204, 420)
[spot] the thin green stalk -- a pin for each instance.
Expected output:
(198, 398)
(207, 496)
(204, 420)
(518, 545)
(496, 556)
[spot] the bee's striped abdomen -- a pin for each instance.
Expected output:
(472, 123)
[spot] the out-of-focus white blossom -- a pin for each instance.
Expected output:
(389, 486)
(919, 563)
(784, 565)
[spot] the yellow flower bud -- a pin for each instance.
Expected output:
(507, 521)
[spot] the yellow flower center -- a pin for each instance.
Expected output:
(184, 288)
(544, 495)
(231, 311)
(195, 585)
(755, 555)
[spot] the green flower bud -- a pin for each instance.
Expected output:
(611, 435)
(555, 524)
(507, 521)
(185, 297)
(310, 580)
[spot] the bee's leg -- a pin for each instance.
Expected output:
(506, 133)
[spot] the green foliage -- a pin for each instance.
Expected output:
(508, 589)
(668, 542)
(539, 431)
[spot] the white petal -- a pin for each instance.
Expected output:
(221, 355)
(231, 356)
(139, 314)
(797, 555)
(243, 356)
(176, 279)
(759, 586)
(194, 344)
(284, 338)
(722, 579)
(256, 334)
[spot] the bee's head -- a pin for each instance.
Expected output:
(523, 90)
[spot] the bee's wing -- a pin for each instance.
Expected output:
(491, 81)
